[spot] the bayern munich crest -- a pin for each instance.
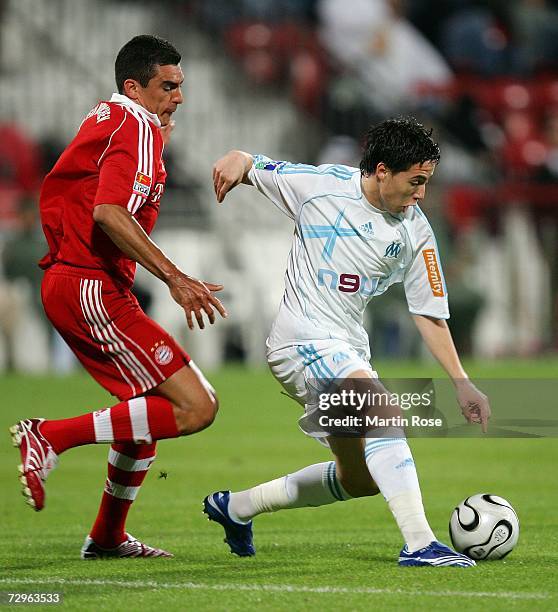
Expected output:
(163, 354)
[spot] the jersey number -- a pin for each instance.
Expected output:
(347, 283)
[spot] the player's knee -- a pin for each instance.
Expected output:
(191, 418)
(211, 409)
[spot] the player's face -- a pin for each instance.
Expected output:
(163, 93)
(403, 189)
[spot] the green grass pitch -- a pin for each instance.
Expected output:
(340, 557)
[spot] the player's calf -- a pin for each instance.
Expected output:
(351, 469)
(140, 420)
(358, 486)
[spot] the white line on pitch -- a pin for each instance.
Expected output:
(273, 588)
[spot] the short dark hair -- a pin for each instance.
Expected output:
(138, 59)
(399, 143)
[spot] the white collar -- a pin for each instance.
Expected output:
(122, 99)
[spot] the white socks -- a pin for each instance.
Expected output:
(391, 465)
(408, 511)
(314, 485)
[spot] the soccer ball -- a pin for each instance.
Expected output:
(484, 526)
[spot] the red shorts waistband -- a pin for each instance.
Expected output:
(93, 273)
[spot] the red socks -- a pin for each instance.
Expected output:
(140, 420)
(133, 428)
(127, 467)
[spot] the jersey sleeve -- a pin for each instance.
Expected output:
(126, 165)
(289, 185)
(425, 287)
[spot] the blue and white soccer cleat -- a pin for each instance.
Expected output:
(435, 554)
(237, 535)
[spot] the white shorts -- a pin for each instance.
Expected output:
(300, 366)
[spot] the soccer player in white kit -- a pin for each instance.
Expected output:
(356, 233)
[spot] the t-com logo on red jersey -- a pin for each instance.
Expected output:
(142, 184)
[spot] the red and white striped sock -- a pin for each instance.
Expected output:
(141, 420)
(128, 465)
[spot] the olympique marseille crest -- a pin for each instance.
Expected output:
(162, 353)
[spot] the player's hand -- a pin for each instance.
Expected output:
(196, 297)
(474, 404)
(230, 171)
(166, 131)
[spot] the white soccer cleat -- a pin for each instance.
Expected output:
(130, 548)
(37, 460)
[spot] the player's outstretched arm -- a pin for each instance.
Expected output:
(437, 337)
(192, 295)
(230, 171)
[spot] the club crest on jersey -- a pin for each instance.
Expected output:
(142, 184)
(162, 353)
(393, 250)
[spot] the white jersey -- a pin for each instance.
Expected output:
(345, 252)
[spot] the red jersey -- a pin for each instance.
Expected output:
(115, 158)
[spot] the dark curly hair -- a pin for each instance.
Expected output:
(138, 59)
(399, 143)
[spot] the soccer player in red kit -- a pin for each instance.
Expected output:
(98, 206)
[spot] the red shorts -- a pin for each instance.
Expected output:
(117, 343)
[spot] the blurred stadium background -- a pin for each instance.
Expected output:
(298, 80)
(301, 80)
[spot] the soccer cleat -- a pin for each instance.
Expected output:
(435, 554)
(37, 460)
(130, 548)
(238, 535)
